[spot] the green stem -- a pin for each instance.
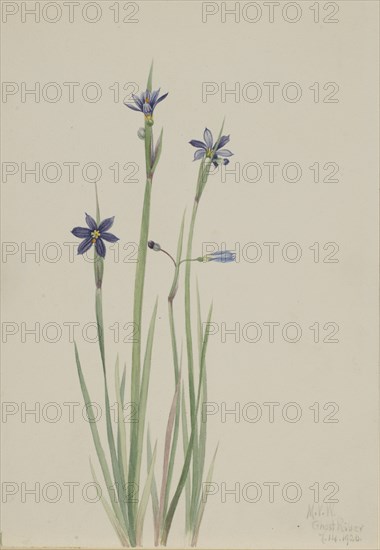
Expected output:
(190, 260)
(176, 363)
(135, 452)
(116, 466)
(176, 377)
(189, 342)
(189, 339)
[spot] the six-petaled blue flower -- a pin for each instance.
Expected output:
(94, 234)
(146, 103)
(223, 256)
(207, 148)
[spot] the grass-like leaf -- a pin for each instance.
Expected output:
(185, 439)
(171, 297)
(121, 435)
(110, 513)
(98, 446)
(197, 483)
(157, 152)
(145, 381)
(122, 385)
(116, 467)
(154, 494)
(150, 77)
(186, 465)
(203, 502)
(189, 341)
(168, 440)
(145, 499)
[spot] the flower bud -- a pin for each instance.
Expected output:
(154, 246)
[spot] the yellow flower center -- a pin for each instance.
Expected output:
(209, 153)
(147, 100)
(95, 235)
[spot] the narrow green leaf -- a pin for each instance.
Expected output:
(150, 77)
(97, 205)
(219, 136)
(189, 340)
(199, 325)
(197, 483)
(189, 345)
(157, 152)
(98, 446)
(145, 381)
(185, 439)
(144, 500)
(203, 502)
(122, 385)
(176, 365)
(186, 465)
(121, 434)
(123, 537)
(154, 494)
(116, 468)
(173, 451)
(168, 440)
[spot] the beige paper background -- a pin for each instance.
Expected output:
(188, 52)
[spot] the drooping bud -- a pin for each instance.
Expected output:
(154, 246)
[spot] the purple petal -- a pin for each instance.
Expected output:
(110, 237)
(154, 96)
(81, 232)
(85, 245)
(100, 247)
(161, 98)
(133, 107)
(222, 256)
(223, 141)
(207, 136)
(224, 153)
(198, 144)
(137, 100)
(106, 224)
(199, 154)
(91, 222)
(147, 109)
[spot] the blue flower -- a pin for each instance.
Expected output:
(222, 256)
(208, 148)
(146, 103)
(94, 234)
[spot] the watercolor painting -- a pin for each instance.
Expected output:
(189, 275)
(118, 468)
